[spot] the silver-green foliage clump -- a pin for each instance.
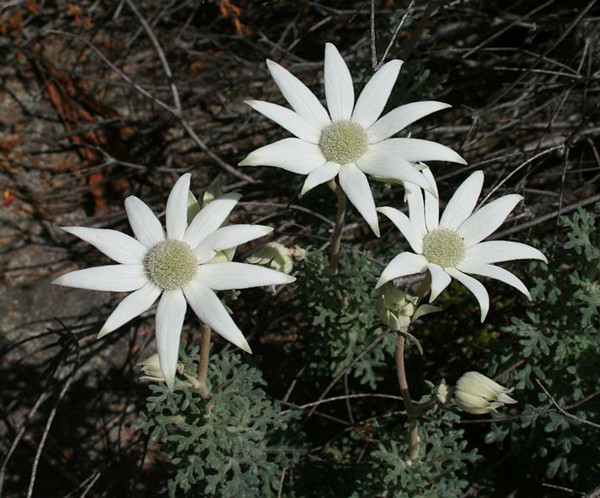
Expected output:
(441, 472)
(342, 319)
(558, 344)
(233, 443)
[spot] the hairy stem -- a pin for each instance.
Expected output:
(411, 410)
(203, 367)
(336, 238)
(401, 372)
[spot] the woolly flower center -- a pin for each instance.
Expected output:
(170, 264)
(343, 141)
(444, 248)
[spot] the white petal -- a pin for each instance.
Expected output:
(376, 93)
(485, 221)
(169, 321)
(497, 273)
(232, 236)
(339, 90)
(432, 203)
(401, 117)
(210, 218)
(177, 208)
(291, 154)
(144, 223)
(224, 276)
(405, 263)
(209, 309)
(356, 186)
(415, 150)
(463, 201)
(439, 281)
(115, 278)
(382, 163)
(476, 288)
(405, 226)
(416, 209)
(288, 119)
(116, 245)
(320, 175)
(496, 251)
(133, 305)
(302, 100)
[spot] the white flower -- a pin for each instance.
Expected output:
(451, 247)
(178, 265)
(347, 139)
(477, 394)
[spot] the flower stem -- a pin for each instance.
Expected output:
(412, 411)
(203, 367)
(401, 372)
(336, 239)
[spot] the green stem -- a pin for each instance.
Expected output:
(336, 238)
(203, 367)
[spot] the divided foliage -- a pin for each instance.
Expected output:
(558, 344)
(237, 442)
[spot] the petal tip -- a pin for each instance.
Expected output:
(375, 227)
(104, 331)
(58, 280)
(248, 161)
(245, 346)
(383, 279)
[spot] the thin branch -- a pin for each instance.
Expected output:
(563, 410)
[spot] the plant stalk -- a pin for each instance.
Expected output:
(411, 410)
(336, 238)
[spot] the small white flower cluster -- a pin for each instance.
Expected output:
(349, 140)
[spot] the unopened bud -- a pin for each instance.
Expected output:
(273, 255)
(150, 367)
(442, 392)
(477, 394)
(397, 309)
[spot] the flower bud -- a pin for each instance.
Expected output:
(442, 392)
(298, 253)
(477, 394)
(150, 367)
(195, 205)
(396, 309)
(273, 255)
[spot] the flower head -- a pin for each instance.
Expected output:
(181, 266)
(451, 246)
(347, 139)
(477, 394)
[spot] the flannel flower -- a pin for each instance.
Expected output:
(347, 139)
(451, 246)
(181, 267)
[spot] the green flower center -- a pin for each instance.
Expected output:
(444, 247)
(170, 264)
(343, 141)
